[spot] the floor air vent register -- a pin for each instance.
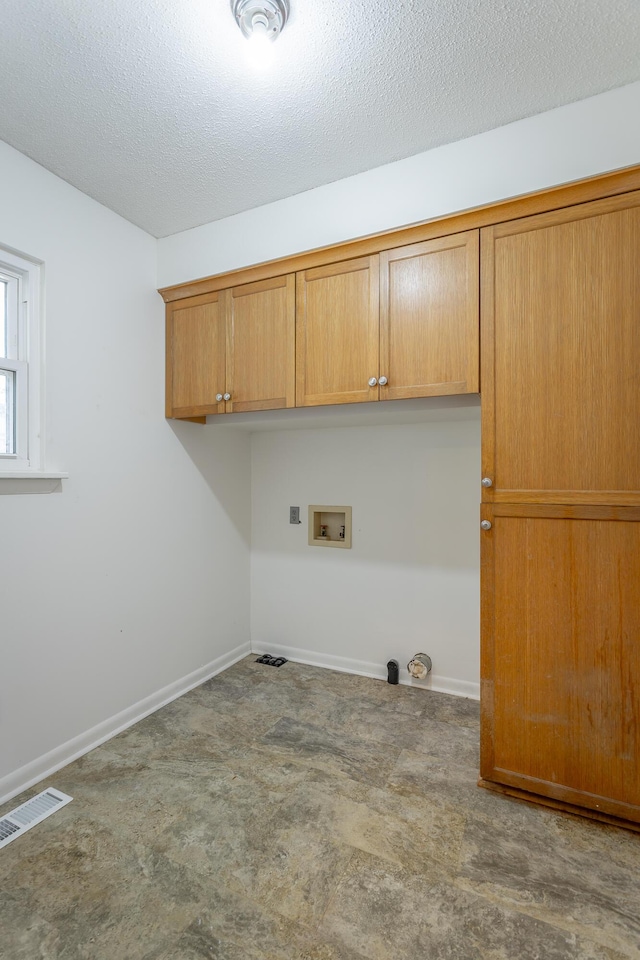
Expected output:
(28, 814)
(271, 661)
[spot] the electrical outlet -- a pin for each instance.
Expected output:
(294, 514)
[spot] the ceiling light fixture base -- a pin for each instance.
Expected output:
(267, 17)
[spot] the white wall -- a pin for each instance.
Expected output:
(411, 580)
(136, 574)
(569, 143)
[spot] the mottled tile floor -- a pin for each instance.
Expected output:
(303, 814)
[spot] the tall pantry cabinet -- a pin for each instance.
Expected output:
(561, 506)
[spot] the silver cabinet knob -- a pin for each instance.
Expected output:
(227, 396)
(486, 525)
(219, 397)
(487, 482)
(383, 381)
(373, 381)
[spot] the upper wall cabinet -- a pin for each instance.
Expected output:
(261, 335)
(418, 339)
(232, 350)
(429, 318)
(337, 324)
(397, 316)
(195, 356)
(560, 348)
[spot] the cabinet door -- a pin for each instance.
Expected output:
(337, 333)
(261, 345)
(561, 355)
(195, 359)
(430, 318)
(561, 658)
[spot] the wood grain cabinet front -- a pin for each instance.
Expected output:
(560, 654)
(430, 318)
(401, 324)
(561, 354)
(196, 356)
(261, 345)
(232, 350)
(337, 333)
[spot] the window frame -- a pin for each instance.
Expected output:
(25, 346)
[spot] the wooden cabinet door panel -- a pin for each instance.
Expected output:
(561, 654)
(337, 332)
(261, 345)
(561, 355)
(429, 317)
(196, 346)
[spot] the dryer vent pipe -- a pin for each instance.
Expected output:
(420, 666)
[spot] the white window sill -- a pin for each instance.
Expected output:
(31, 481)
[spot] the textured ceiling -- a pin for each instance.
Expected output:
(150, 107)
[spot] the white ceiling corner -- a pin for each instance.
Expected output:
(149, 105)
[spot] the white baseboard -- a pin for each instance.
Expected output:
(458, 688)
(46, 765)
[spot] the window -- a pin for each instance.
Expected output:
(20, 355)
